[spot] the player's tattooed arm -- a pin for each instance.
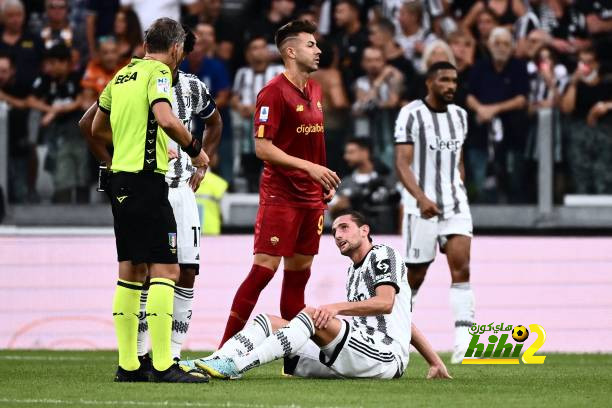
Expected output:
(404, 154)
(381, 303)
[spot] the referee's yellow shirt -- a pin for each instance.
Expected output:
(139, 143)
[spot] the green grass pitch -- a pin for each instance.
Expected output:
(84, 379)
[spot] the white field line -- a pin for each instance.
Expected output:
(54, 358)
(114, 403)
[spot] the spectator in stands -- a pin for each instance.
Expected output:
(57, 95)
(228, 38)
(350, 40)
(278, 14)
(335, 105)
(24, 47)
(203, 63)
(569, 28)
(498, 90)
(435, 51)
(412, 36)
(100, 22)
(21, 187)
(128, 33)
(370, 189)
(506, 12)
(588, 99)
(382, 36)
(247, 83)
(377, 96)
(528, 46)
(59, 30)
(100, 70)
(486, 21)
(150, 10)
(463, 47)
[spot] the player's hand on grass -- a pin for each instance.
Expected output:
(328, 178)
(323, 315)
(196, 178)
(428, 208)
(438, 372)
(201, 160)
(328, 195)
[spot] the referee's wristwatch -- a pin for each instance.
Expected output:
(193, 148)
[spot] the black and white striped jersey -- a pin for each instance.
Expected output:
(438, 138)
(383, 265)
(248, 83)
(190, 97)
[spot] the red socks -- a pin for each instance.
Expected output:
(292, 294)
(246, 298)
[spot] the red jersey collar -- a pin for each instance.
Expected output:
(303, 94)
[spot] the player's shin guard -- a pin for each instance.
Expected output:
(159, 318)
(285, 341)
(143, 327)
(462, 304)
(125, 317)
(183, 298)
(248, 338)
(245, 299)
(292, 293)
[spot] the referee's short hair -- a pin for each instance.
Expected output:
(292, 30)
(434, 68)
(163, 34)
(357, 217)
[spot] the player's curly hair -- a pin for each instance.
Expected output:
(292, 29)
(190, 40)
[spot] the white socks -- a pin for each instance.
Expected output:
(183, 299)
(243, 342)
(285, 341)
(143, 327)
(462, 304)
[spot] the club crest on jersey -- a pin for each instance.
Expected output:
(163, 85)
(299, 108)
(263, 113)
(172, 241)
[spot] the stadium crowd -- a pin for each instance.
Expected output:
(514, 57)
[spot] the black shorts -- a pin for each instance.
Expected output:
(145, 229)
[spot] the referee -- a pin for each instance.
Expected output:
(135, 112)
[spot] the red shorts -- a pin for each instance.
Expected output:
(285, 231)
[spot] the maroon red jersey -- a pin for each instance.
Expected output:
(293, 120)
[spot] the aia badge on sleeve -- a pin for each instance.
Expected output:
(263, 113)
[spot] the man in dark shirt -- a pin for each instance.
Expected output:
(20, 149)
(498, 91)
(24, 48)
(57, 95)
(350, 41)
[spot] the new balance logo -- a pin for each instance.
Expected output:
(121, 198)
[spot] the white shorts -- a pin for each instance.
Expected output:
(356, 355)
(188, 226)
(420, 235)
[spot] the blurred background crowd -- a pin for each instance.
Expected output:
(514, 58)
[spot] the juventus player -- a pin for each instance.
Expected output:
(374, 343)
(190, 98)
(429, 134)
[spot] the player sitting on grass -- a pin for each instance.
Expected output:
(374, 343)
